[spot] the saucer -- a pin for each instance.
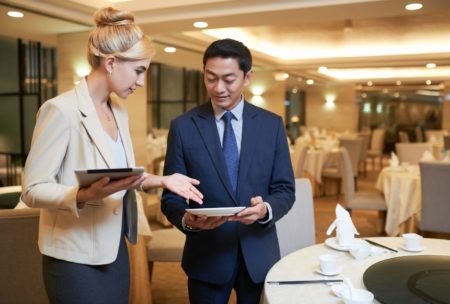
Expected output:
(333, 243)
(338, 289)
(328, 274)
(418, 249)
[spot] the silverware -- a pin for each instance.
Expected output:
(379, 245)
(303, 282)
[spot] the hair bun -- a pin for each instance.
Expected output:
(112, 17)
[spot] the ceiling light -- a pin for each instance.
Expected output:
(431, 65)
(310, 82)
(201, 24)
(281, 76)
(322, 69)
(398, 82)
(15, 14)
(370, 83)
(413, 6)
(428, 82)
(170, 49)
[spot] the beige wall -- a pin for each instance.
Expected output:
(343, 117)
(71, 57)
(273, 92)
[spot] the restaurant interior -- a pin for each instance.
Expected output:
(362, 86)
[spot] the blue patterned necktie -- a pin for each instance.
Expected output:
(230, 150)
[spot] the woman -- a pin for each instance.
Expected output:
(82, 230)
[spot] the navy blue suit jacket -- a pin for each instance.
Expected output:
(265, 169)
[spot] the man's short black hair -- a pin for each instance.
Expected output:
(230, 48)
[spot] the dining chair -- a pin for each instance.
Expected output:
(296, 229)
(447, 142)
(435, 188)
(353, 146)
(166, 245)
(365, 136)
(300, 152)
(419, 134)
(411, 153)
(361, 200)
(332, 170)
(403, 137)
(377, 146)
(21, 278)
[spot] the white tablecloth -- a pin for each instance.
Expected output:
(402, 193)
(300, 265)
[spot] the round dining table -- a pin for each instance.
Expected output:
(303, 265)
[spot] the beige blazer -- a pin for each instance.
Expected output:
(68, 135)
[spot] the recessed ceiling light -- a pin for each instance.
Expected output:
(15, 14)
(370, 83)
(398, 82)
(428, 82)
(414, 6)
(201, 24)
(322, 69)
(310, 82)
(431, 65)
(170, 49)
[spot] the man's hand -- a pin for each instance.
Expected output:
(256, 211)
(203, 222)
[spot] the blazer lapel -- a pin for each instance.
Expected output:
(92, 124)
(206, 126)
(248, 142)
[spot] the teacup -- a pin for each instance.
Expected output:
(328, 263)
(360, 249)
(412, 241)
(358, 296)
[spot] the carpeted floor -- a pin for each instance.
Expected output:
(169, 283)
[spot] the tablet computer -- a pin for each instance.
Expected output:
(86, 177)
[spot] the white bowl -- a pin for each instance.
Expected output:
(360, 249)
(360, 296)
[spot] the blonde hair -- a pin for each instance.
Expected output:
(116, 34)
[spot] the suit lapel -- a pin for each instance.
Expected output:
(206, 126)
(248, 141)
(92, 124)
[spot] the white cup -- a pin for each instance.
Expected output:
(328, 263)
(412, 241)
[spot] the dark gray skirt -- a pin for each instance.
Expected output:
(68, 282)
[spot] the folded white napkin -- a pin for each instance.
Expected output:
(345, 229)
(427, 156)
(394, 160)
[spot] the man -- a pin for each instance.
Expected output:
(240, 161)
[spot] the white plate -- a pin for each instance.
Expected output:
(329, 274)
(333, 243)
(418, 249)
(225, 211)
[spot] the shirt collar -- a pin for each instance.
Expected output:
(237, 110)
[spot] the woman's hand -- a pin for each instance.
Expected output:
(104, 187)
(183, 186)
